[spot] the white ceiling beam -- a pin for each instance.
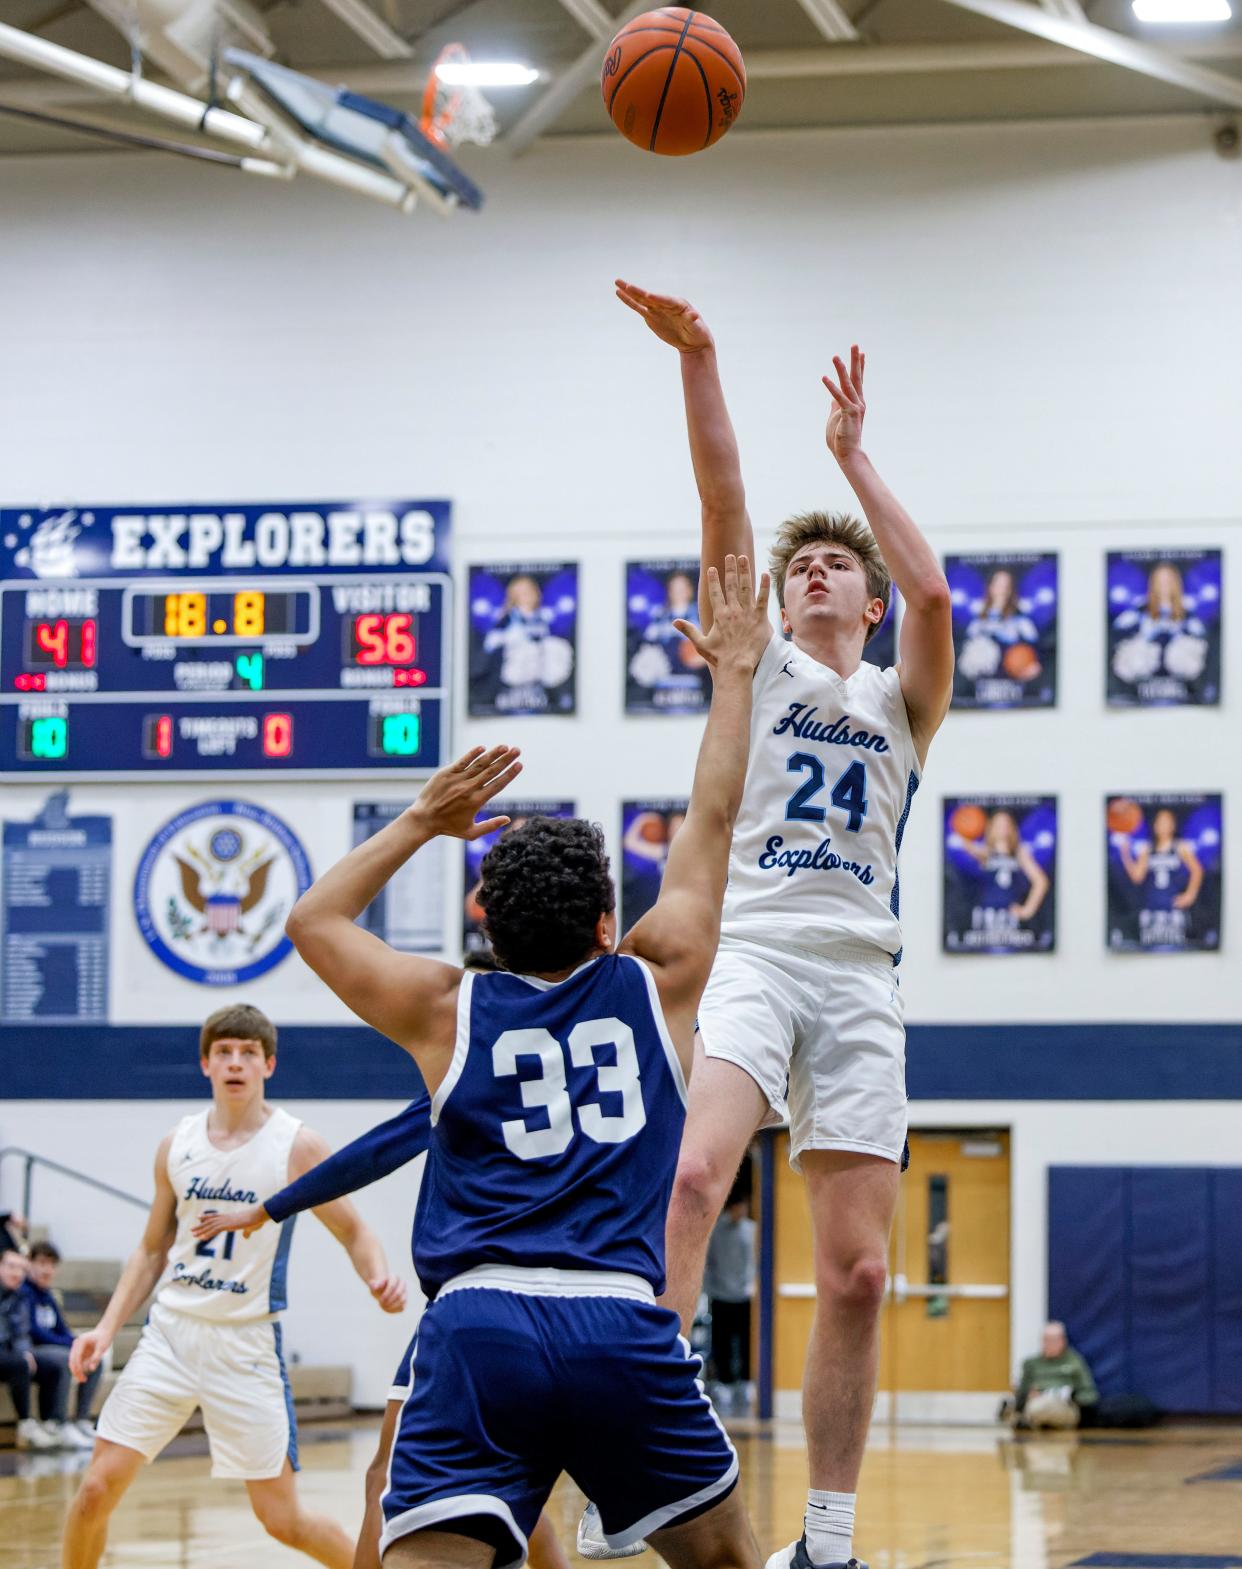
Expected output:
(591, 17)
(401, 81)
(1101, 43)
(1067, 10)
(372, 29)
(830, 17)
(572, 81)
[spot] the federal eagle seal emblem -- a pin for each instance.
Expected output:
(214, 888)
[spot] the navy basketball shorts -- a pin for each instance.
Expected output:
(400, 1387)
(511, 1388)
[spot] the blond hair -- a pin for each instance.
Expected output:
(238, 1021)
(832, 528)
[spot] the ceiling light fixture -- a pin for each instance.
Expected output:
(483, 73)
(1174, 11)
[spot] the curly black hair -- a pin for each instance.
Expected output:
(545, 885)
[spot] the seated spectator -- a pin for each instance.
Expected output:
(1056, 1388)
(729, 1281)
(51, 1339)
(17, 1363)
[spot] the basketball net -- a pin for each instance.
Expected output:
(455, 114)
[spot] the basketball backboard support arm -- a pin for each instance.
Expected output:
(397, 174)
(363, 129)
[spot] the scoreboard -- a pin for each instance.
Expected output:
(308, 640)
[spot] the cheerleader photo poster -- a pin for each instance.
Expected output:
(523, 638)
(1000, 855)
(1004, 630)
(664, 672)
(1164, 628)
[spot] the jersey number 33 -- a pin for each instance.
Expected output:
(549, 1089)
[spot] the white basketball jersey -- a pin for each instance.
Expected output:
(232, 1278)
(831, 777)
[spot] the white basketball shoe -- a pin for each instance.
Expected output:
(795, 1556)
(592, 1543)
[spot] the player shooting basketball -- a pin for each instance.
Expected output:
(802, 1015)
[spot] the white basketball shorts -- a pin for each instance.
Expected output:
(824, 1039)
(235, 1372)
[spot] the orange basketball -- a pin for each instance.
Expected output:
(969, 822)
(1021, 662)
(654, 829)
(1124, 816)
(673, 81)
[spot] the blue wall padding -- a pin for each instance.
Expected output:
(1227, 1287)
(1171, 1308)
(1088, 1285)
(1145, 1268)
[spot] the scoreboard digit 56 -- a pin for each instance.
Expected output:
(312, 640)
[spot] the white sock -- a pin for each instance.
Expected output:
(829, 1526)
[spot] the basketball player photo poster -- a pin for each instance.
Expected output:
(664, 672)
(648, 829)
(1164, 873)
(1000, 854)
(1004, 630)
(473, 939)
(523, 638)
(1163, 626)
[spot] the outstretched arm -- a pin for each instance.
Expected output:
(366, 1252)
(1135, 864)
(138, 1279)
(678, 937)
(926, 663)
(373, 1155)
(713, 445)
(404, 997)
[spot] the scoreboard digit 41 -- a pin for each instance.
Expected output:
(311, 640)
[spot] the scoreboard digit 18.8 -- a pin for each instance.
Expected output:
(310, 640)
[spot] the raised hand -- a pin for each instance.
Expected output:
(451, 799)
(740, 627)
(845, 422)
(672, 320)
(389, 1292)
(246, 1220)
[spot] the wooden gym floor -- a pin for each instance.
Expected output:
(931, 1498)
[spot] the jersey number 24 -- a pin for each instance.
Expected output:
(549, 1090)
(849, 793)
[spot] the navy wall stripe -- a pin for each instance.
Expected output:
(944, 1062)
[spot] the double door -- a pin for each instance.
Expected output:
(945, 1324)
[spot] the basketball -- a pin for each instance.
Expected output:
(673, 81)
(1124, 816)
(969, 822)
(1021, 662)
(653, 828)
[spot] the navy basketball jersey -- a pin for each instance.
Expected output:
(1167, 878)
(1005, 882)
(555, 1132)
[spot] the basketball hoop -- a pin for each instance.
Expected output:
(455, 114)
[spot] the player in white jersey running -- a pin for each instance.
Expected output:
(213, 1337)
(802, 1016)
